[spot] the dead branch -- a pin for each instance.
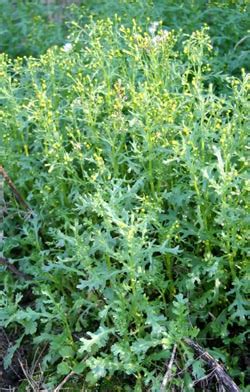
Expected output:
(214, 365)
(169, 371)
(14, 190)
(13, 269)
(33, 384)
(59, 387)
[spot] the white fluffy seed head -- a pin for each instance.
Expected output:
(67, 47)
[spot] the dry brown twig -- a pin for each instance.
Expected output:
(34, 373)
(32, 383)
(169, 371)
(37, 358)
(224, 380)
(222, 377)
(14, 189)
(59, 387)
(13, 269)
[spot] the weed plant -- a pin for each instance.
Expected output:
(134, 160)
(31, 27)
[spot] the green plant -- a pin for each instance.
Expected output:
(135, 166)
(30, 28)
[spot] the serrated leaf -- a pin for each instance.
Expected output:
(66, 352)
(217, 153)
(141, 346)
(180, 300)
(122, 350)
(96, 340)
(79, 368)
(164, 249)
(99, 368)
(63, 368)
(198, 370)
(11, 351)
(156, 322)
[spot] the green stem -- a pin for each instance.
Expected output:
(108, 261)
(169, 271)
(231, 265)
(151, 180)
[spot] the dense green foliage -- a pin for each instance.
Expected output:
(31, 28)
(28, 29)
(129, 145)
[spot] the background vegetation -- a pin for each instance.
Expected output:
(128, 140)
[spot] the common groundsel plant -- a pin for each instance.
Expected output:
(135, 166)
